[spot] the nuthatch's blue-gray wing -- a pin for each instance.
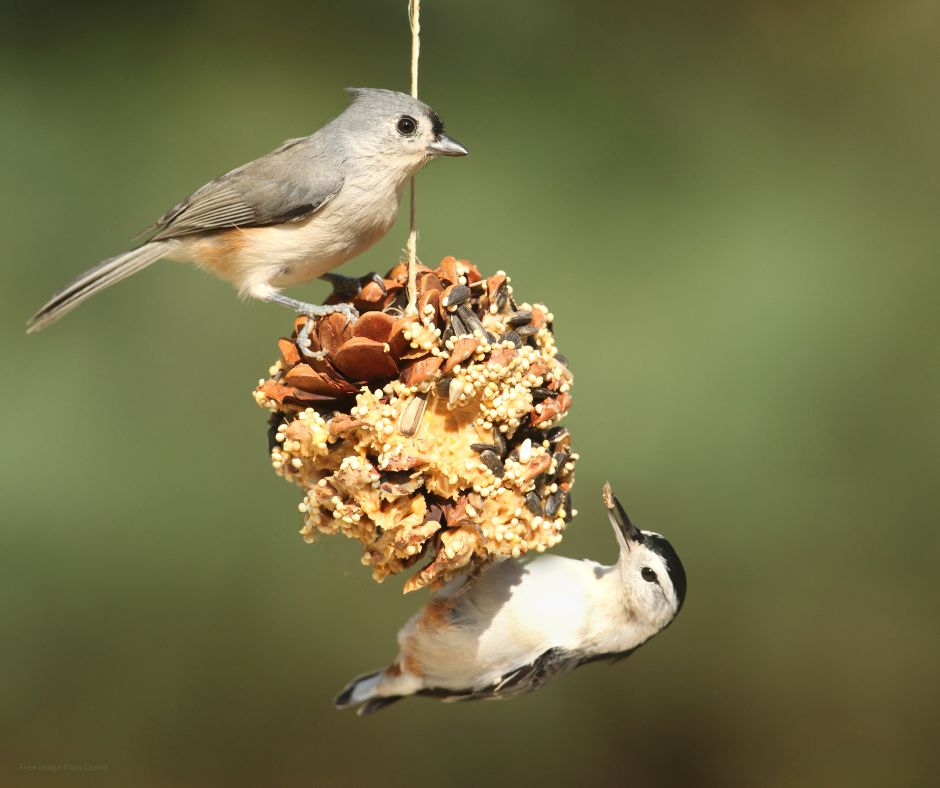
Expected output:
(526, 678)
(288, 184)
(519, 681)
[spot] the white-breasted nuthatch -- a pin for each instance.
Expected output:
(521, 624)
(292, 215)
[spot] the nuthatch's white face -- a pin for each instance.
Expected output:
(654, 581)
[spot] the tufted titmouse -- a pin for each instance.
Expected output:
(292, 215)
(520, 624)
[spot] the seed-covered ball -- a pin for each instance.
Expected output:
(429, 438)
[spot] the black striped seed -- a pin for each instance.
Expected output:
(491, 461)
(553, 504)
(521, 318)
(534, 503)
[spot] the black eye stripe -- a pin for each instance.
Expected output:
(437, 125)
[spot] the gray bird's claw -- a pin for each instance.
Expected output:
(313, 313)
(347, 309)
(303, 344)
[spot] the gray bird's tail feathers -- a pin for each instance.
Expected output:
(362, 692)
(95, 280)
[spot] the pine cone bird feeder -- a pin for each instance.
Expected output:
(429, 438)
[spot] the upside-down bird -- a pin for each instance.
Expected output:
(521, 624)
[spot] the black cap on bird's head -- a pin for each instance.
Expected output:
(661, 546)
(629, 535)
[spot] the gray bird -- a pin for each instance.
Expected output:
(292, 215)
(520, 625)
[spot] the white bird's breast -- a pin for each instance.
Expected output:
(509, 618)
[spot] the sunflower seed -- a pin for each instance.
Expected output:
(534, 504)
(553, 503)
(563, 360)
(521, 318)
(455, 295)
(511, 336)
(481, 447)
(491, 461)
(557, 434)
(527, 331)
(561, 458)
(500, 442)
(567, 506)
(454, 390)
(502, 299)
(542, 482)
(458, 326)
(540, 393)
(411, 415)
(470, 320)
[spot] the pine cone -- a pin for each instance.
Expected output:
(428, 436)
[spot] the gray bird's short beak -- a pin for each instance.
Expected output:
(445, 146)
(626, 531)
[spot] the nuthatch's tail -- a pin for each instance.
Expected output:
(95, 280)
(364, 692)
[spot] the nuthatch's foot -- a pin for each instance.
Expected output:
(351, 286)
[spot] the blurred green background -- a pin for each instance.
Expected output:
(731, 208)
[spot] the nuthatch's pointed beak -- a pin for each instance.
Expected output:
(445, 146)
(626, 531)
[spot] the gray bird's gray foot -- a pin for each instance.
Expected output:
(351, 286)
(312, 311)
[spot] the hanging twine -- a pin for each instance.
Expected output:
(414, 11)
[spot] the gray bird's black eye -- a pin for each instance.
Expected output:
(406, 125)
(648, 574)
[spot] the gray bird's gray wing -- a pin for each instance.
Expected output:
(288, 184)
